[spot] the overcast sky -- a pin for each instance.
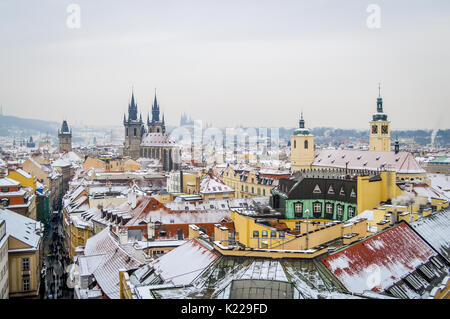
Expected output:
(228, 62)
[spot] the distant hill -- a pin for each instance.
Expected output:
(16, 126)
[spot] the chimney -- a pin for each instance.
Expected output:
(123, 236)
(132, 199)
(181, 181)
(220, 233)
(194, 231)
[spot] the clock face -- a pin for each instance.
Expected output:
(384, 129)
(374, 129)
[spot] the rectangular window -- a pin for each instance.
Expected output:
(297, 226)
(281, 234)
(273, 234)
(298, 208)
(264, 233)
(317, 207)
(25, 264)
(339, 210)
(26, 285)
(329, 208)
(351, 212)
(255, 233)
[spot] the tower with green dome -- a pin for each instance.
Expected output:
(302, 147)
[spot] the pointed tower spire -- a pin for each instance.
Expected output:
(302, 121)
(163, 124)
(155, 110)
(379, 100)
(132, 108)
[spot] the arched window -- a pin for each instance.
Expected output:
(295, 143)
(135, 131)
(255, 233)
(340, 211)
(298, 208)
(127, 131)
(317, 207)
(306, 144)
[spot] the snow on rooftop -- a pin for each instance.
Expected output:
(193, 257)
(395, 252)
(210, 185)
(114, 257)
(435, 229)
(22, 228)
(402, 162)
(6, 181)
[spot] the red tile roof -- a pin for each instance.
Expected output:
(392, 254)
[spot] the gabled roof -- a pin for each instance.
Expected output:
(22, 228)
(114, 257)
(211, 184)
(396, 252)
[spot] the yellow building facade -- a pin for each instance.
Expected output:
(302, 147)
(25, 179)
(245, 188)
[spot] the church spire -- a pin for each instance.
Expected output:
(155, 110)
(379, 100)
(132, 108)
(302, 121)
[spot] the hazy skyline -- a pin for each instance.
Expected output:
(255, 63)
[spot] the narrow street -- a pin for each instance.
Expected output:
(55, 263)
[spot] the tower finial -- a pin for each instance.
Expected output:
(379, 89)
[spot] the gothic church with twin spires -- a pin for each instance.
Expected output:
(151, 142)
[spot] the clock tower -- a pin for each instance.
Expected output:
(380, 128)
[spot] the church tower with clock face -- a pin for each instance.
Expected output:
(380, 129)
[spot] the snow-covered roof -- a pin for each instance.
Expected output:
(440, 182)
(22, 228)
(187, 217)
(217, 280)
(194, 258)
(60, 163)
(429, 192)
(402, 162)
(211, 184)
(393, 253)
(6, 181)
(23, 173)
(435, 229)
(157, 139)
(114, 257)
